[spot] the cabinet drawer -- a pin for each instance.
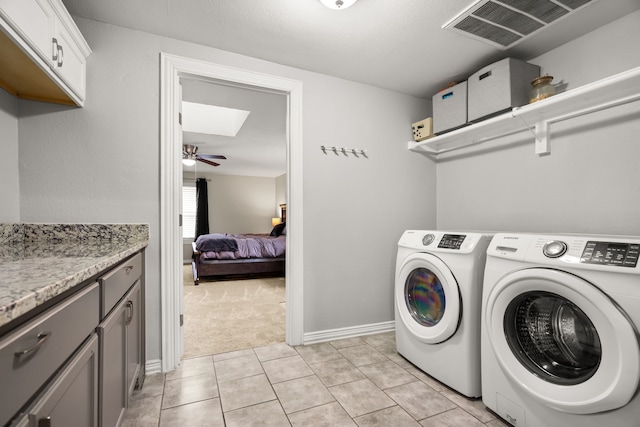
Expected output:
(116, 283)
(31, 354)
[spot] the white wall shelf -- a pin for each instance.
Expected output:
(609, 92)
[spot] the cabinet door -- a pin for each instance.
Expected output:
(134, 337)
(67, 61)
(112, 372)
(33, 20)
(72, 398)
(120, 355)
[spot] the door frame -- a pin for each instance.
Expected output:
(172, 68)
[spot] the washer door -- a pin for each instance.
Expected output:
(562, 341)
(427, 298)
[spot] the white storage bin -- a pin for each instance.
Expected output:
(450, 108)
(499, 87)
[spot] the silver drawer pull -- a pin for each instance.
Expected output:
(42, 337)
(128, 269)
(45, 422)
(129, 306)
(55, 49)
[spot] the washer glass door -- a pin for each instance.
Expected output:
(428, 298)
(562, 341)
(552, 337)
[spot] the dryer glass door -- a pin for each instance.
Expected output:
(424, 296)
(428, 298)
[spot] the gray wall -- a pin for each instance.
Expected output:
(101, 164)
(9, 175)
(590, 183)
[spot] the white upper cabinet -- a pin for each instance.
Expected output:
(42, 53)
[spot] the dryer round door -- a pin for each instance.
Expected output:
(562, 341)
(428, 298)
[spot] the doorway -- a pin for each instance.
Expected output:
(173, 68)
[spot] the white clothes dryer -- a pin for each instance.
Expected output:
(560, 319)
(438, 291)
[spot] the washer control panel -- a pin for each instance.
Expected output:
(451, 241)
(610, 253)
(428, 239)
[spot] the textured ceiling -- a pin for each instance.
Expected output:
(393, 44)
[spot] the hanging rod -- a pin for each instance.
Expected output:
(343, 150)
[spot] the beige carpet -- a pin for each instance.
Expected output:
(229, 315)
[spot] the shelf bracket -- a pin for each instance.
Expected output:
(543, 138)
(542, 135)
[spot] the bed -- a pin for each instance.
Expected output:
(232, 254)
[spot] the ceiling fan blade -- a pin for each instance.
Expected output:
(209, 162)
(211, 156)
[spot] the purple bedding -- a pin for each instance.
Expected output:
(216, 243)
(248, 246)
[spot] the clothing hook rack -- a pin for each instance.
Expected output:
(344, 150)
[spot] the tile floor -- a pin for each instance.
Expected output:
(352, 382)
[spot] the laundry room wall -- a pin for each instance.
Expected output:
(101, 163)
(9, 175)
(588, 184)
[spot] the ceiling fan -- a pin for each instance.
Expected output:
(190, 155)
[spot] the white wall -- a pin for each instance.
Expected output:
(590, 183)
(101, 164)
(9, 175)
(241, 204)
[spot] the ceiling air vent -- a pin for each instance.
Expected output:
(503, 23)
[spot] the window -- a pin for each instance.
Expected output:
(189, 208)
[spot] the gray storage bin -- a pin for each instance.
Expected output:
(499, 87)
(450, 108)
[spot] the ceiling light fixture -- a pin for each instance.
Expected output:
(338, 4)
(188, 160)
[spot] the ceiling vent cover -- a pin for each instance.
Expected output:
(504, 23)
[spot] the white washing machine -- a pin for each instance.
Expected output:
(560, 319)
(438, 293)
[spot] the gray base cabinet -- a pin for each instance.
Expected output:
(35, 352)
(77, 362)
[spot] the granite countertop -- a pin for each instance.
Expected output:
(41, 261)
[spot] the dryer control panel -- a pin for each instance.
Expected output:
(451, 241)
(610, 253)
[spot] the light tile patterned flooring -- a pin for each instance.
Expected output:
(352, 382)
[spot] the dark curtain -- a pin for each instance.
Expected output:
(202, 212)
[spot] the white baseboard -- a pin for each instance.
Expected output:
(350, 332)
(153, 367)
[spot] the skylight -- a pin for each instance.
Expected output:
(212, 120)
